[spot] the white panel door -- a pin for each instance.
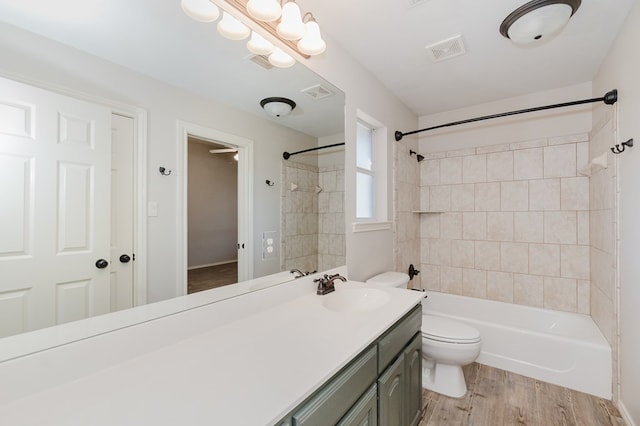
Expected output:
(55, 215)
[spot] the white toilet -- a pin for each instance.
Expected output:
(447, 345)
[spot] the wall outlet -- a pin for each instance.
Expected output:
(269, 245)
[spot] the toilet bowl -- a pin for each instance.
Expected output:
(447, 345)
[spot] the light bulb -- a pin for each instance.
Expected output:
(312, 42)
(291, 26)
(264, 10)
(229, 27)
(280, 59)
(259, 45)
(200, 10)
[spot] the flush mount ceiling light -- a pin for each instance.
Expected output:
(282, 19)
(277, 107)
(538, 19)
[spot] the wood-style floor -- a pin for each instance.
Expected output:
(497, 397)
(211, 277)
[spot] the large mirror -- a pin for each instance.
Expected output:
(147, 60)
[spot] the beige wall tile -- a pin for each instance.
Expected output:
(492, 148)
(602, 267)
(487, 196)
(474, 168)
(500, 226)
(574, 261)
(584, 291)
(500, 166)
(514, 196)
(544, 259)
(500, 286)
(528, 227)
(560, 293)
(451, 280)
(560, 227)
(487, 255)
(430, 277)
(425, 245)
(582, 155)
(575, 193)
(424, 198)
(462, 253)
(474, 283)
(527, 164)
(430, 225)
(461, 152)
(430, 172)
(474, 226)
(544, 194)
(514, 257)
(583, 227)
(440, 252)
(440, 198)
(535, 143)
(435, 155)
(463, 198)
(451, 225)
(528, 290)
(451, 170)
(560, 161)
(560, 140)
(602, 312)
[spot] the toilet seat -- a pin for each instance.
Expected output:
(447, 330)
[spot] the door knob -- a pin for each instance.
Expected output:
(101, 263)
(125, 258)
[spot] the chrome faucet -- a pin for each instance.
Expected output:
(326, 284)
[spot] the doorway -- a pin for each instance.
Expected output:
(212, 215)
(190, 137)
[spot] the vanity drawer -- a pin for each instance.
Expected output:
(393, 341)
(340, 394)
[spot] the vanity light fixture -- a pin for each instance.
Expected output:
(538, 19)
(278, 107)
(281, 18)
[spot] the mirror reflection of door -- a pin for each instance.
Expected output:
(65, 164)
(212, 207)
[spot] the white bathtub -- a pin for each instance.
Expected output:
(556, 347)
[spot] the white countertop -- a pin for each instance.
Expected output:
(251, 371)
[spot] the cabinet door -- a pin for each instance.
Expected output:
(413, 371)
(391, 394)
(365, 412)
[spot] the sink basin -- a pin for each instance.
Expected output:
(355, 299)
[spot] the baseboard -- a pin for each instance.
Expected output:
(625, 414)
(211, 264)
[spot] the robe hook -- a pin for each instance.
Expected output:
(619, 148)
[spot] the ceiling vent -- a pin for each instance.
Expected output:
(261, 60)
(318, 92)
(446, 49)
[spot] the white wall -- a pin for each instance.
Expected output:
(27, 56)
(621, 70)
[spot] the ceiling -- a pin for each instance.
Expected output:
(389, 37)
(157, 39)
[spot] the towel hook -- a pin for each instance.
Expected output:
(619, 148)
(164, 172)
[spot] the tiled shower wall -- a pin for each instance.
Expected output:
(312, 217)
(509, 223)
(603, 230)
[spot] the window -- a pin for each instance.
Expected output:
(365, 172)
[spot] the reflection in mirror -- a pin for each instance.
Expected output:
(175, 69)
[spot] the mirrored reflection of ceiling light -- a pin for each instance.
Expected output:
(280, 59)
(264, 10)
(200, 10)
(278, 107)
(538, 19)
(291, 26)
(229, 27)
(312, 42)
(259, 45)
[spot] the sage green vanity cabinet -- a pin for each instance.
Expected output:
(381, 386)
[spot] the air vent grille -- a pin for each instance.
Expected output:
(318, 91)
(262, 61)
(446, 49)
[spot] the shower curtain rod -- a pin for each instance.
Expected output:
(609, 98)
(286, 154)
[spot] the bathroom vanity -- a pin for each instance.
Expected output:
(281, 355)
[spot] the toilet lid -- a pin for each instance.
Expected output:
(448, 330)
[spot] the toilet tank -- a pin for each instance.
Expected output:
(390, 279)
